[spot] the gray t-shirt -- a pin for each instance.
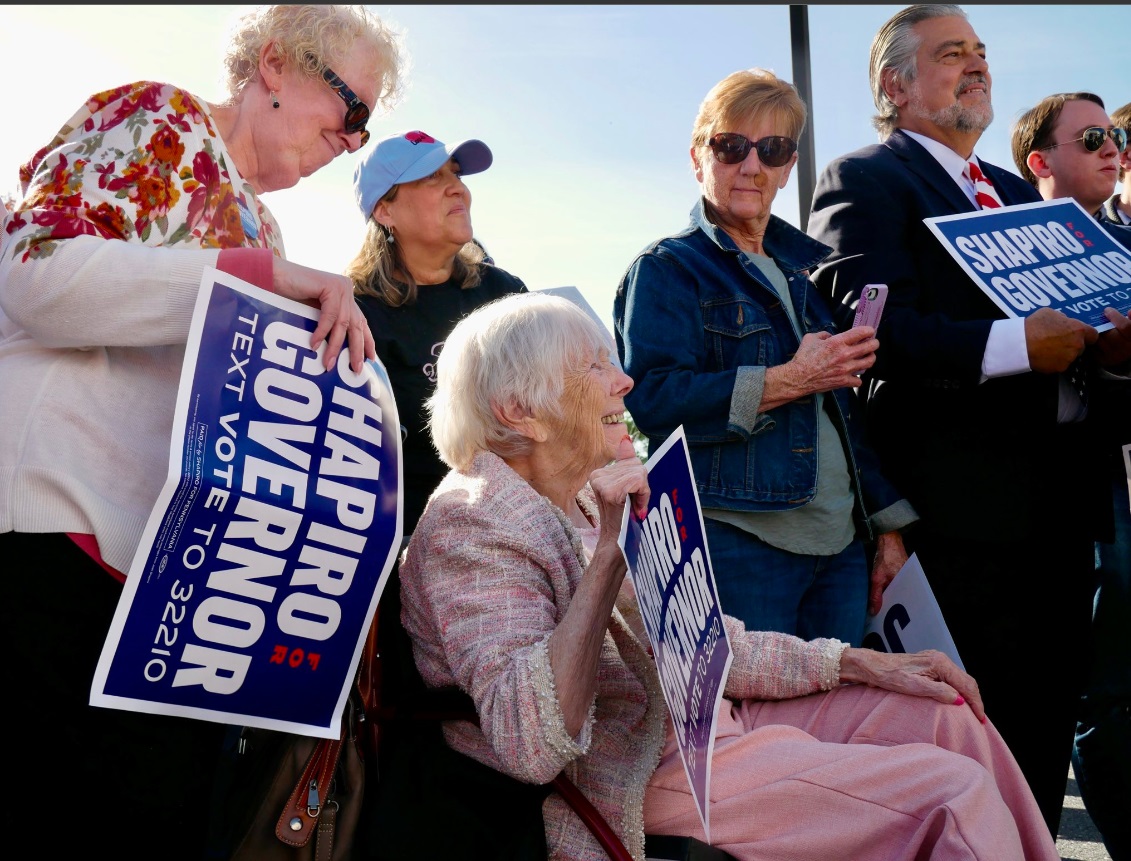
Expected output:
(823, 526)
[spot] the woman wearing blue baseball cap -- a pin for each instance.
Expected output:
(419, 271)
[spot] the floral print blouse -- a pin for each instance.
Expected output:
(142, 163)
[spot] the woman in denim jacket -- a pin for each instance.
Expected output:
(723, 333)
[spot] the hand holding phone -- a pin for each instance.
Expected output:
(871, 305)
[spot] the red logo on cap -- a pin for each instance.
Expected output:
(419, 137)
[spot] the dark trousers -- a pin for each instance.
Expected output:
(1020, 617)
(1101, 757)
(136, 785)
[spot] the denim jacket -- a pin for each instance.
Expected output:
(697, 325)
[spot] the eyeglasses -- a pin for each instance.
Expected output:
(357, 112)
(1094, 138)
(773, 151)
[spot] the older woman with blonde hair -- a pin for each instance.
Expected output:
(514, 591)
(724, 334)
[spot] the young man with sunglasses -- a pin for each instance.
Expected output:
(1067, 147)
(1117, 208)
(972, 414)
(723, 333)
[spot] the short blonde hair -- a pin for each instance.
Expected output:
(313, 37)
(747, 94)
(520, 350)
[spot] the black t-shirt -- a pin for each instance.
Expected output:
(408, 340)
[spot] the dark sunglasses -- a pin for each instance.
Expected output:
(1094, 138)
(357, 112)
(773, 151)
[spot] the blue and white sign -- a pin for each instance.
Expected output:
(910, 619)
(259, 572)
(1049, 254)
(675, 589)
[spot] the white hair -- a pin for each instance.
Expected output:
(514, 351)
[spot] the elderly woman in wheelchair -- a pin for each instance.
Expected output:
(513, 590)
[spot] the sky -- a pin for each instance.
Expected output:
(587, 108)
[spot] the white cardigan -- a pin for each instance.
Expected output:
(93, 329)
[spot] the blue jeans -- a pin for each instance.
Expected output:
(774, 590)
(1101, 755)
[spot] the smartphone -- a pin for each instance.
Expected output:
(871, 305)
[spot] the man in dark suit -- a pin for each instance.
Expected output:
(973, 415)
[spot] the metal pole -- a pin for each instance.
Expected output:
(802, 79)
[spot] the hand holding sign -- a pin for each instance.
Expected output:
(341, 321)
(624, 477)
(1055, 341)
(671, 574)
(1113, 348)
(889, 560)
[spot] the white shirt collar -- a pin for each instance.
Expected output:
(951, 162)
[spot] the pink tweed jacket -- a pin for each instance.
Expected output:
(486, 577)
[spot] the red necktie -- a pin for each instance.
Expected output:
(984, 190)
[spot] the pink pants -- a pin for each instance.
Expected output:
(844, 775)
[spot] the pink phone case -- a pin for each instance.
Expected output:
(871, 305)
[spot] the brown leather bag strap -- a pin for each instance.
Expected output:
(592, 818)
(301, 814)
(324, 837)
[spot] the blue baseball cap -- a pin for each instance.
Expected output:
(409, 156)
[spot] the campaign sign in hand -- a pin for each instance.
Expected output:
(675, 588)
(262, 562)
(1049, 254)
(910, 619)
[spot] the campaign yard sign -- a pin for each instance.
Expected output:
(910, 619)
(671, 572)
(262, 562)
(1049, 254)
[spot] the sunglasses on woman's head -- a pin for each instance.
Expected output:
(773, 151)
(357, 112)
(1094, 138)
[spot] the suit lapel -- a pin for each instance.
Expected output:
(926, 167)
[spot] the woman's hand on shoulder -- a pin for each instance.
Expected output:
(921, 674)
(342, 322)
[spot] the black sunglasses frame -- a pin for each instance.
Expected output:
(733, 148)
(1094, 138)
(357, 112)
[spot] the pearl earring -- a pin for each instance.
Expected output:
(274, 100)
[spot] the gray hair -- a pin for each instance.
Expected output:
(313, 37)
(517, 350)
(894, 47)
